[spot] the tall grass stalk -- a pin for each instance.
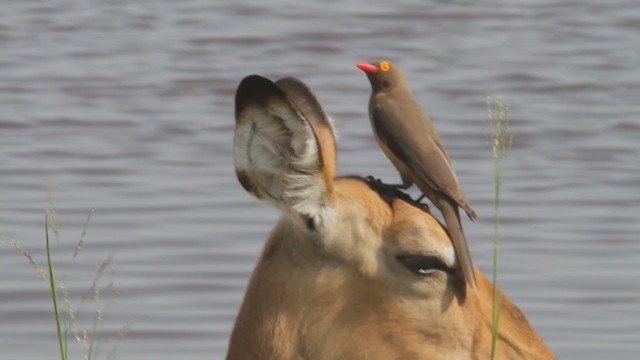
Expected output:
(68, 317)
(500, 144)
(52, 283)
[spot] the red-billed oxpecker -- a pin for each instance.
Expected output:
(407, 136)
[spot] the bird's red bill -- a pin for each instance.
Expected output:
(366, 67)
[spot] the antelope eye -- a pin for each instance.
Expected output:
(423, 264)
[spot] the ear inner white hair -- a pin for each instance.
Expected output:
(277, 150)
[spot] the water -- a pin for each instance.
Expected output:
(128, 107)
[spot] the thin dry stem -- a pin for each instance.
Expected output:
(29, 257)
(80, 243)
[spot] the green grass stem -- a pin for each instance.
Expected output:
(54, 296)
(500, 144)
(67, 317)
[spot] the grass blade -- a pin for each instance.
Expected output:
(52, 284)
(66, 315)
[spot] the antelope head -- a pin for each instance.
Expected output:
(351, 271)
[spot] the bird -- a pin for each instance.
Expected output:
(407, 137)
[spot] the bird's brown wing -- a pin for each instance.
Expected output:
(410, 141)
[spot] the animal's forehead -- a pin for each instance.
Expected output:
(356, 189)
(403, 225)
(397, 206)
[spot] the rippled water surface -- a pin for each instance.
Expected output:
(128, 107)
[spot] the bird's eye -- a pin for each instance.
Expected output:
(384, 65)
(423, 264)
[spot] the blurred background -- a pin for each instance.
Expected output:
(127, 107)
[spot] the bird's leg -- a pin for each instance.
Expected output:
(382, 187)
(394, 189)
(406, 183)
(424, 206)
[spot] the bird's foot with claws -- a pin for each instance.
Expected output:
(380, 186)
(393, 190)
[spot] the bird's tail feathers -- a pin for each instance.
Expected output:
(469, 210)
(451, 215)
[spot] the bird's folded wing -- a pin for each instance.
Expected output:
(414, 146)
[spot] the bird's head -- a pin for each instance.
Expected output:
(383, 75)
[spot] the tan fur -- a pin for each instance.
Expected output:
(345, 299)
(334, 289)
(327, 146)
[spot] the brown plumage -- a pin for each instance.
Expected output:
(407, 136)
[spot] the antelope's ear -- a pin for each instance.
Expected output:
(306, 102)
(277, 152)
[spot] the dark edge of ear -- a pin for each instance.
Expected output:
(305, 101)
(246, 183)
(255, 89)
